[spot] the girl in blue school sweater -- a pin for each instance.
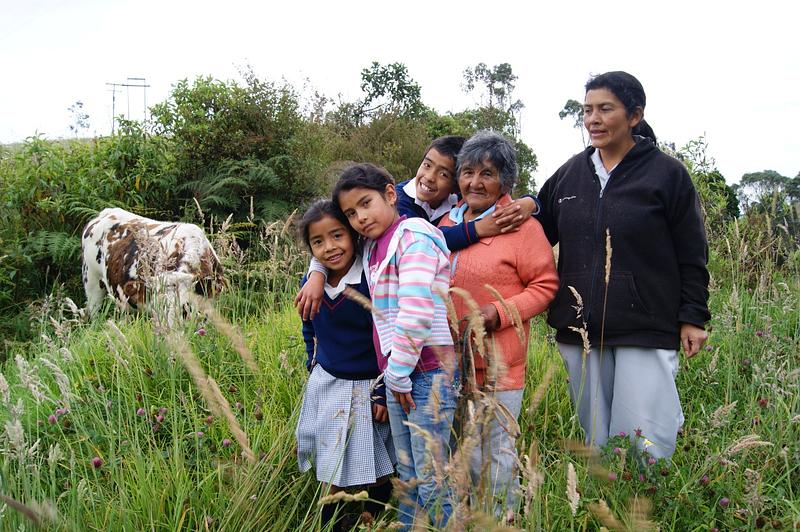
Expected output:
(343, 427)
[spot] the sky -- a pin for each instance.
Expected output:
(728, 71)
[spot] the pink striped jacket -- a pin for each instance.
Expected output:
(407, 288)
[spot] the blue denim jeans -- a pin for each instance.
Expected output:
(414, 457)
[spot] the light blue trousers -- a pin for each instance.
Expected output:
(499, 449)
(624, 389)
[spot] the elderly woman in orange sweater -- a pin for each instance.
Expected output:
(520, 266)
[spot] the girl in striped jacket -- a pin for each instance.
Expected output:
(408, 267)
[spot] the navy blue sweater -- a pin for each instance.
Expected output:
(341, 333)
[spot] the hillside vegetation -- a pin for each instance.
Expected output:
(122, 424)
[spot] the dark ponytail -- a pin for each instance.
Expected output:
(643, 129)
(630, 92)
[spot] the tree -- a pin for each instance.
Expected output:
(498, 85)
(765, 184)
(718, 199)
(80, 120)
(389, 88)
(574, 109)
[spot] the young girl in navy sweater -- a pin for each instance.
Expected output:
(343, 427)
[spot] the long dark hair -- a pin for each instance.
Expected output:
(630, 92)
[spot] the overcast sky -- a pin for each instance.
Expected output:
(709, 68)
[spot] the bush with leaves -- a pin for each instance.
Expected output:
(50, 189)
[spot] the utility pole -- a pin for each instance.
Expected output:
(113, 104)
(143, 85)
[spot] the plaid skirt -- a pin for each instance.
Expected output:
(337, 434)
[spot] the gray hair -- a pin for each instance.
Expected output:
(488, 144)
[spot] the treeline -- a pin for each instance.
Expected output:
(255, 150)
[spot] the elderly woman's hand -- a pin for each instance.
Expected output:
(491, 319)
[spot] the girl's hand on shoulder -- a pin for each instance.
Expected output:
(309, 298)
(380, 413)
(692, 339)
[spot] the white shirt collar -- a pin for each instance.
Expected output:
(410, 188)
(602, 174)
(353, 276)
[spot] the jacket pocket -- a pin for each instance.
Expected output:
(624, 310)
(565, 310)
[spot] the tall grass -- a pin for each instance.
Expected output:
(103, 428)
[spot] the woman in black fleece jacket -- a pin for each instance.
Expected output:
(624, 191)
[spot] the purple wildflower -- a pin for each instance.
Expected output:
(651, 461)
(201, 331)
(140, 411)
(617, 451)
(760, 334)
(226, 442)
(162, 410)
(704, 480)
(159, 419)
(97, 462)
(622, 434)
(52, 419)
(612, 476)
(724, 502)
(199, 434)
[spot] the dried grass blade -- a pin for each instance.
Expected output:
(343, 496)
(210, 391)
(573, 496)
(511, 311)
(541, 389)
(222, 325)
(601, 510)
(27, 511)
(640, 509)
(362, 300)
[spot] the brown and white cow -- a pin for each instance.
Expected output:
(127, 256)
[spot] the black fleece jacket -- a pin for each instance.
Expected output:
(658, 277)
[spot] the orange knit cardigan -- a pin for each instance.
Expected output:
(521, 267)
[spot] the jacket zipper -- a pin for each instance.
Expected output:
(595, 261)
